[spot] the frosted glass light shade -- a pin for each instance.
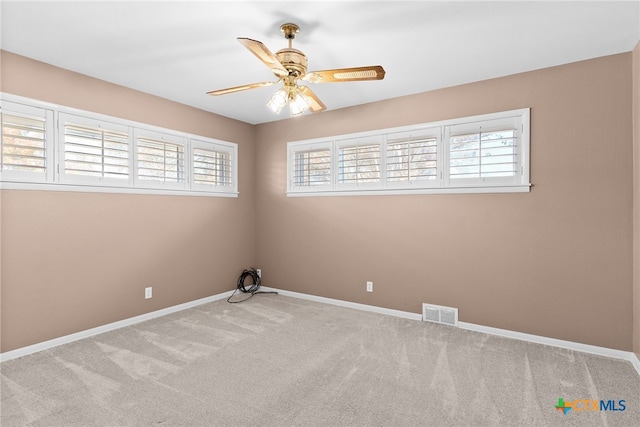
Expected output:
(298, 103)
(278, 101)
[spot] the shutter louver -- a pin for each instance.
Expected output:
(211, 167)
(312, 168)
(95, 152)
(412, 159)
(482, 155)
(161, 161)
(359, 164)
(23, 143)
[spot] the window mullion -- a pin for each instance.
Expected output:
(445, 155)
(333, 166)
(409, 160)
(102, 153)
(480, 155)
(133, 157)
(383, 161)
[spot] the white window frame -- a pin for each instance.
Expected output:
(428, 132)
(161, 138)
(486, 126)
(211, 145)
(363, 141)
(65, 119)
(27, 111)
(56, 179)
(292, 154)
(442, 184)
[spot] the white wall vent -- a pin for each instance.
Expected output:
(440, 314)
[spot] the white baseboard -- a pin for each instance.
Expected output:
(585, 348)
(576, 346)
(13, 354)
(342, 303)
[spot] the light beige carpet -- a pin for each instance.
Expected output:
(280, 361)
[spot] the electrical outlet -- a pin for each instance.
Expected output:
(259, 272)
(148, 292)
(369, 286)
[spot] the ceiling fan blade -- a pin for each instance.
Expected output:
(263, 53)
(316, 105)
(240, 88)
(375, 72)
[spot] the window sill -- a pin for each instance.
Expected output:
(524, 188)
(15, 185)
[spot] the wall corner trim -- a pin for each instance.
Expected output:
(635, 361)
(45, 345)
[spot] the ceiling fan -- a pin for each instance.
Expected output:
(290, 67)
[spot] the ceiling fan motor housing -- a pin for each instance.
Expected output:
(293, 60)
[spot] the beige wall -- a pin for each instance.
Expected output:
(636, 199)
(555, 262)
(73, 261)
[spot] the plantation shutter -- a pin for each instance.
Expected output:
(211, 167)
(359, 162)
(412, 157)
(160, 161)
(24, 143)
(312, 168)
(94, 150)
(485, 153)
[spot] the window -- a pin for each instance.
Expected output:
(481, 152)
(479, 155)
(412, 157)
(310, 166)
(160, 160)
(94, 151)
(53, 147)
(359, 161)
(488, 153)
(212, 165)
(25, 142)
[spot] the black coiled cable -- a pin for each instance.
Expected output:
(255, 281)
(252, 289)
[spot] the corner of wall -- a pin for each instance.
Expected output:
(636, 198)
(200, 243)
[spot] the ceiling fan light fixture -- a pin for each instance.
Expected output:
(298, 102)
(278, 101)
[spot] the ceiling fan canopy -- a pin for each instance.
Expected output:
(289, 65)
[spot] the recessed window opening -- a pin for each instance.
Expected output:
(487, 153)
(53, 147)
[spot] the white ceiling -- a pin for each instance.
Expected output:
(179, 50)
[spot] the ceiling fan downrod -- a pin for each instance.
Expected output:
(290, 30)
